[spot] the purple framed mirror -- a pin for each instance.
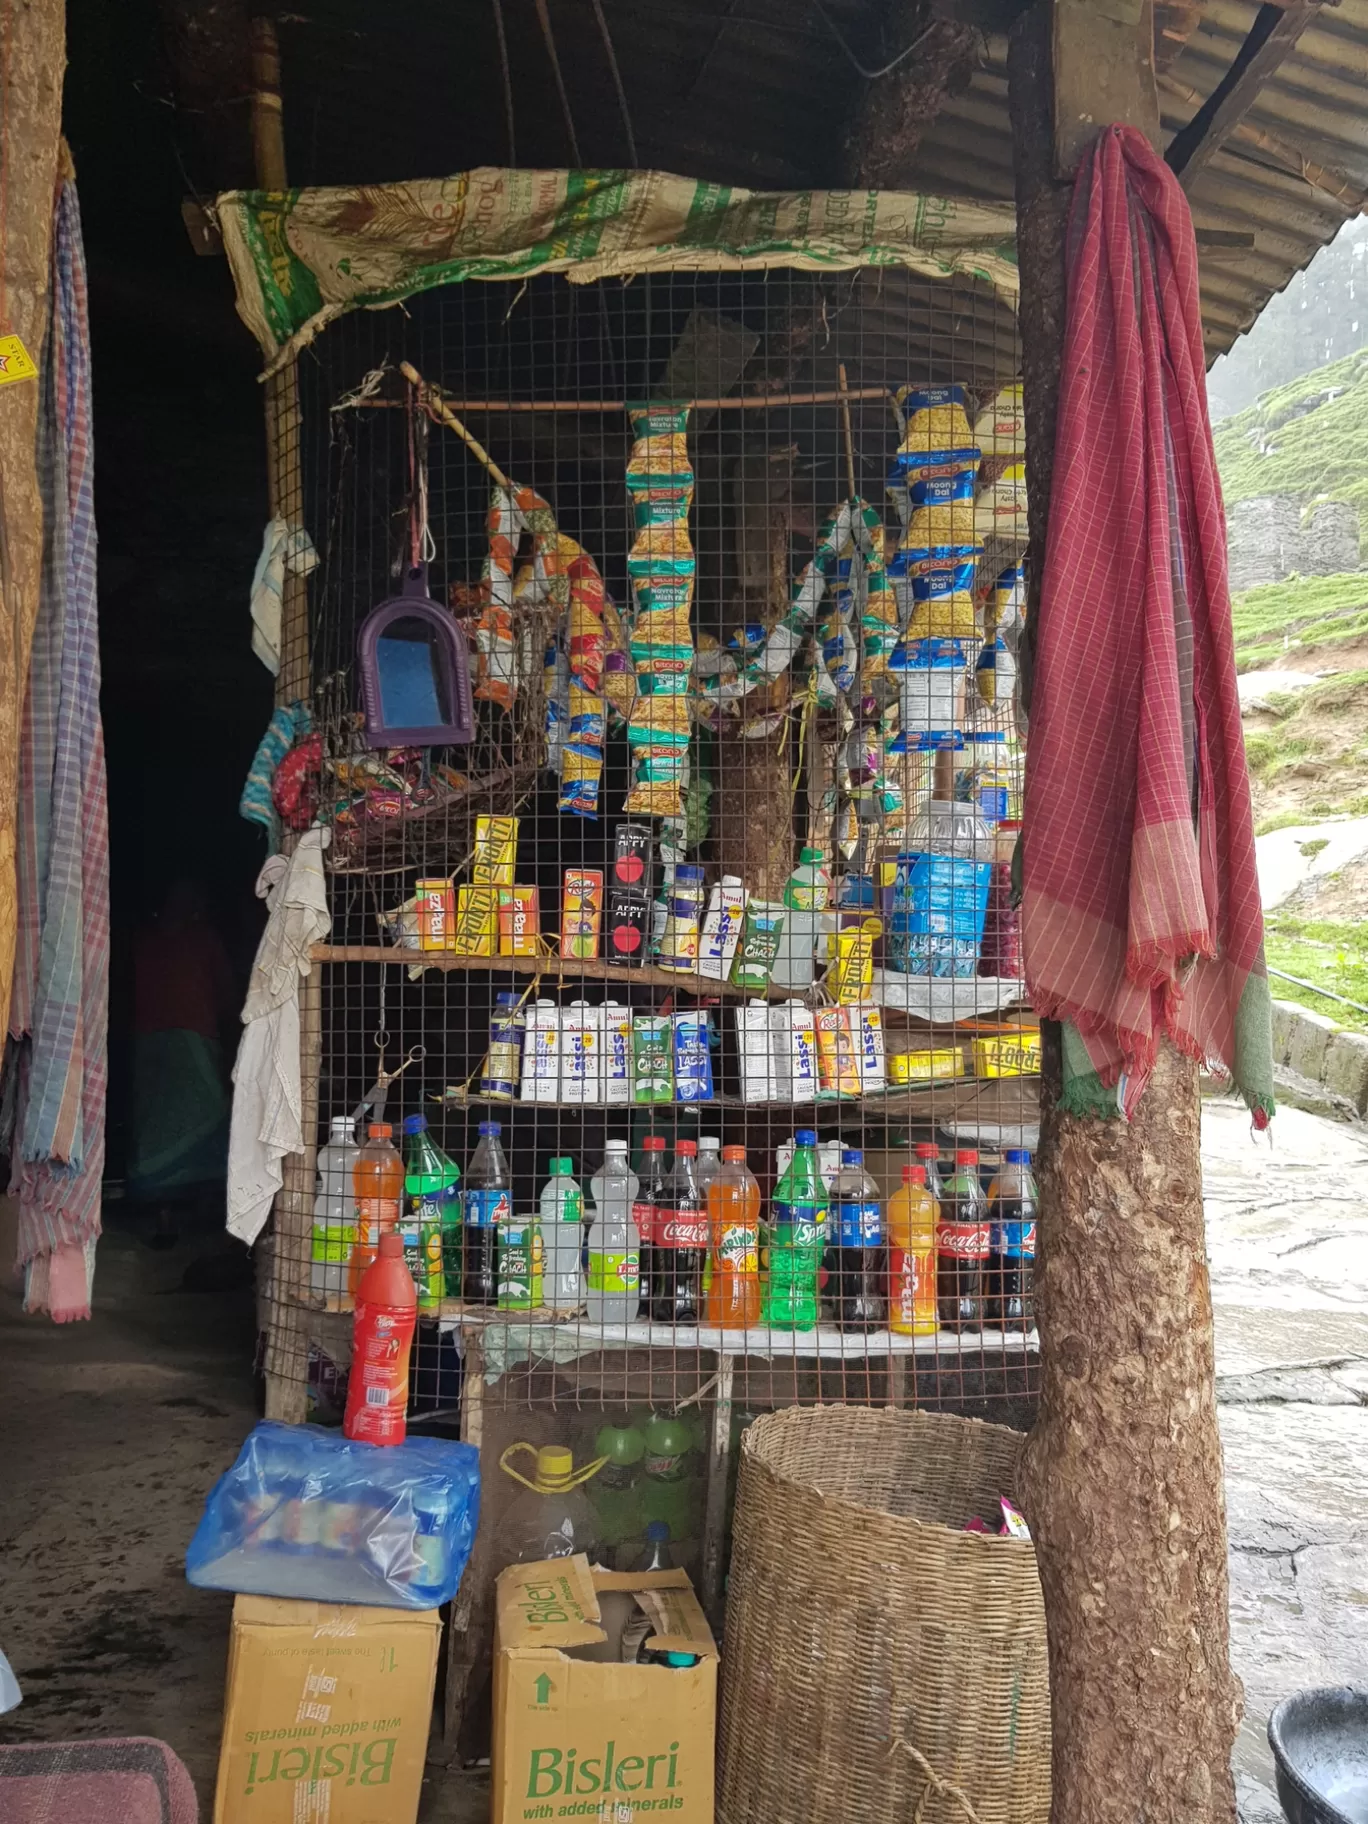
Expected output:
(415, 671)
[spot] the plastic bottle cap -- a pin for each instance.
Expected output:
(653, 1143)
(809, 857)
(806, 1136)
(657, 1529)
(928, 1150)
(505, 999)
(1017, 1155)
(681, 1659)
(562, 1168)
(391, 1246)
(734, 1155)
(708, 1140)
(491, 1127)
(914, 1174)
(688, 1149)
(852, 1156)
(415, 1124)
(619, 1147)
(379, 1130)
(555, 1465)
(967, 1157)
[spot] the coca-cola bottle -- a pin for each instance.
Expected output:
(680, 1243)
(648, 1211)
(962, 1246)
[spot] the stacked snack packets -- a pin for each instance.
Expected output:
(661, 565)
(932, 487)
(512, 512)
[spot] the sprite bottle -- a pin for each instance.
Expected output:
(797, 1220)
(433, 1216)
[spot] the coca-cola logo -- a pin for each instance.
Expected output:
(968, 1240)
(683, 1232)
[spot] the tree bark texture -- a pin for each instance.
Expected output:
(29, 142)
(1122, 1475)
(1122, 1478)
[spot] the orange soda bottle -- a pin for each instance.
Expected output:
(911, 1223)
(382, 1339)
(733, 1300)
(377, 1187)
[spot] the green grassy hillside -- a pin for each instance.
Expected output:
(1298, 440)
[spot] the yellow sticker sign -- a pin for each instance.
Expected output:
(15, 361)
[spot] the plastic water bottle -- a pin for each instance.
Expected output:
(334, 1213)
(807, 894)
(488, 1202)
(612, 1275)
(562, 1233)
(856, 1246)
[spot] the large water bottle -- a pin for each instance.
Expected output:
(614, 1259)
(334, 1212)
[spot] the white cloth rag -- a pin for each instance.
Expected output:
(267, 1097)
(285, 547)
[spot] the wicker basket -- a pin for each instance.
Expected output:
(876, 1656)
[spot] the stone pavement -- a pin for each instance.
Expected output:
(1288, 1239)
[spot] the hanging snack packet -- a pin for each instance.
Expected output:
(934, 418)
(1000, 428)
(942, 510)
(661, 546)
(1000, 510)
(585, 644)
(581, 775)
(942, 595)
(660, 455)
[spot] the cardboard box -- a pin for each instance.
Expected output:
(583, 1738)
(326, 1714)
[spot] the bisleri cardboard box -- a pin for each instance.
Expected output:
(585, 1738)
(325, 1719)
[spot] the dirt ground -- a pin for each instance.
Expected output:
(118, 1427)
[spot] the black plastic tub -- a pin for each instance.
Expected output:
(1320, 1744)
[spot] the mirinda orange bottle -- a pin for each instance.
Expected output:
(377, 1187)
(911, 1223)
(733, 1301)
(382, 1340)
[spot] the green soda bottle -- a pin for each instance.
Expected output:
(431, 1182)
(797, 1216)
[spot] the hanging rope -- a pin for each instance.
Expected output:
(507, 79)
(544, 18)
(617, 82)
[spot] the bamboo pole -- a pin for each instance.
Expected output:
(287, 1341)
(757, 402)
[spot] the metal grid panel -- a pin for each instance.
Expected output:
(767, 477)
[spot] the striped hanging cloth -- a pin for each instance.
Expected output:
(59, 1010)
(1140, 904)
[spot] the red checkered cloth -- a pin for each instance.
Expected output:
(1140, 908)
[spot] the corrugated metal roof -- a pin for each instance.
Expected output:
(758, 92)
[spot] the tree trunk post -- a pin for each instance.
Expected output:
(1122, 1477)
(32, 116)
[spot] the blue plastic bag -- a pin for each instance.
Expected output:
(308, 1514)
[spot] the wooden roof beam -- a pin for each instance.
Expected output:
(1271, 40)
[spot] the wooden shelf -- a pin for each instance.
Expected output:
(1005, 1099)
(556, 968)
(761, 1341)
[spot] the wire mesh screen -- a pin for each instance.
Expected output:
(705, 933)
